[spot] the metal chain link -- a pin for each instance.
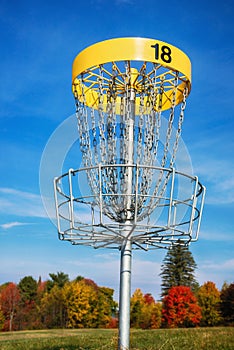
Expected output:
(151, 131)
(101, 122)
(170, 122)
(179, 129)
(111, 139)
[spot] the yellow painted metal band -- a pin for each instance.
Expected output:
(137, 49)
(131, 49)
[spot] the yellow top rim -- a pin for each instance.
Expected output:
(131, 49)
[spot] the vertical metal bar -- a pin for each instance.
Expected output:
(171, 198)
(100, 190)
(71, 205)
(57, 204)
(194, 198)
(136, 192)
(126, 248)
(200, 214)
(125, 295)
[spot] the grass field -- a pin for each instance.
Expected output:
(89, 339)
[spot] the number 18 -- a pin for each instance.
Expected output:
(164, 52)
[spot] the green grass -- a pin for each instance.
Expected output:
(219, 338)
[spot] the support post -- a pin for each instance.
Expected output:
(126, 249)
(125, 295)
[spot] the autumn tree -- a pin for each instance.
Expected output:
(227, 303)
(136, 306)
(145, 312)
(9, 301)
(106, 307)
(178, 269)
(81, 301)
(52, 308)
(151, 313)
(180, 308)
(41, 289)
(209, 300)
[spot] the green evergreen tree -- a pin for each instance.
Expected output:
(28, 288)
(27, 313)
(178, 269)
(57, 279)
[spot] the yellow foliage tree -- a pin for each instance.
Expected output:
(145, 312)
(137, 303)
(81, 301)
(52, 308)
(209, 300)
(106, 306)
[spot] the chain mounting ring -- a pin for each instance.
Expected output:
(151, 64)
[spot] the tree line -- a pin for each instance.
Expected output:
(80, 303)
(55, 303)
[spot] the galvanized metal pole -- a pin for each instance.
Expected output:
(126, 249)
(125, 296)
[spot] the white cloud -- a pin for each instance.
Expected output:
(218, 177)
(16, 202)
(217, 272)
(145, 275)
(216, 236)
(213, 162)
(220, 266)
(9, 225)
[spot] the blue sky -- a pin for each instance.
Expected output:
(39, 41)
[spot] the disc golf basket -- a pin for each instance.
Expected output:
(128, 193)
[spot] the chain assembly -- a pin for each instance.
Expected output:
(105, 133)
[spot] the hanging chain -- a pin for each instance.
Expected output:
(141, 119)
(111, 138)
(170, 122)
(83, 129)
(161, 182)
(127, 111)
(163, 179)
(121, 146)
(179, 129)
(157, 110)
(94, 136)
(140, 149)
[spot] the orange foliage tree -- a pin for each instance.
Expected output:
(180, 308)
(9, 301)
